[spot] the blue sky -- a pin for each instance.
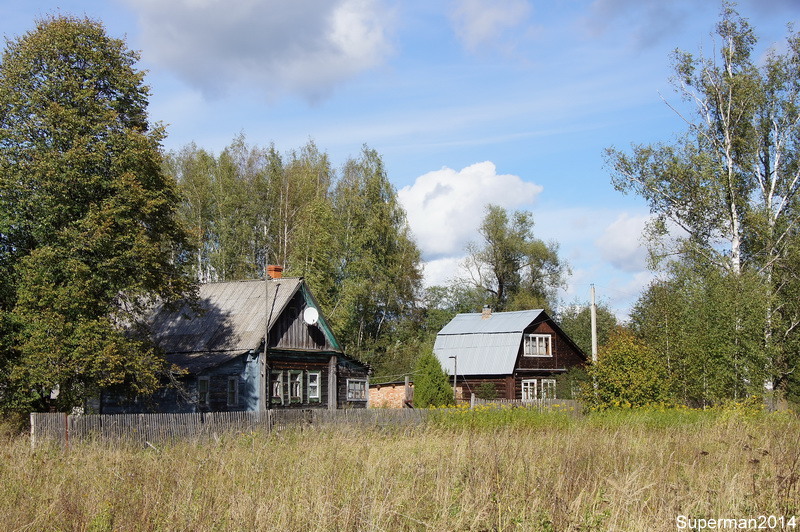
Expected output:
(469, 102)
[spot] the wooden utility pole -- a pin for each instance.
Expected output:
(594, 328)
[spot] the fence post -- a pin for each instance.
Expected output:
(33, 431)
(472, 401)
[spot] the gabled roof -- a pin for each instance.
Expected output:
(232, 317)
(484, 346)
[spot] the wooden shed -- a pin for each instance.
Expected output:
(517, 354)
(217, 351)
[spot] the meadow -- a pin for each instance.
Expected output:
(490, 469)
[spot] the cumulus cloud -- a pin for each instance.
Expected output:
(446, 207)
(481, 22)
(272, 46)
(621, 243)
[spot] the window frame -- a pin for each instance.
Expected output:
(551, 384)
(317, 397)
(204, 396)
(350, 396)
(235, 381)
(295, 380)
(536, 351)
(277, 384)
(531, 385)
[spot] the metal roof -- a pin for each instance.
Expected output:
(483, 346)
(232, 317)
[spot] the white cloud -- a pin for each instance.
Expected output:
(270, 46)
(621, 243)
(442, 271)
(485, 22)
(446, 207)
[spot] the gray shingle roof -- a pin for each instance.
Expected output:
(483, 346)
(232, 319)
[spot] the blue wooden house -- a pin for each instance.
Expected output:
(220, 363)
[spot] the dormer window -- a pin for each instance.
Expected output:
(538, 345)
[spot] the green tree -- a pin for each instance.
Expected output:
(731, 181)
(89, 234)
(378, 278)
(514, 269)
(431, 386)
(576, 321)
(627, 372)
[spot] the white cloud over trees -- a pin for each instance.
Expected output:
(303, 47)
(445, 207)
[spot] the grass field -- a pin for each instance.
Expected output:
(488, 470)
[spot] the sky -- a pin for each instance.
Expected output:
(469, 102)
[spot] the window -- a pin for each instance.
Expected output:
(547, 389)
(277, 387)
(233, 391)
(203, 391)
(296, 386)
(538, 389)
(537, 345)
(356, 390)
(313, 386)
(529, 389)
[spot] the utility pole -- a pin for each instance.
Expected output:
(594, 328)
(455, 376)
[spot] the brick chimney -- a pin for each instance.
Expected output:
(486, 313)
(274, 271)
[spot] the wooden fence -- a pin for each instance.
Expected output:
(570, 405)
(63, 429)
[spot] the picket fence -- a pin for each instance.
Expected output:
(66, 430)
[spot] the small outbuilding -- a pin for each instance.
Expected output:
(517, 355)
(220, 362)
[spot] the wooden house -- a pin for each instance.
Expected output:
(518, 354)
(218, 353)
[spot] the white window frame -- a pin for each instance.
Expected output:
(295, 386)
(314, 390)
(277, 384)
(529, 386)
(351, 396)
(547, 384)
(233, 386)
(203, 396)
(538, 345)
(536, 389)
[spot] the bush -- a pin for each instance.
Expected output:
(430, 383)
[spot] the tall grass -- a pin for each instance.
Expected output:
(611, 471)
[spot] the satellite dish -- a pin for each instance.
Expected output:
(310, 316)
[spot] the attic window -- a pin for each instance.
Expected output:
(538, 345)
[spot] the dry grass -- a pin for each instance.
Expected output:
(601, 472)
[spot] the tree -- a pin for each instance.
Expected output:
(627, 372)
(378, 279)
(731, 182)
(89, 235)
(515, 269)
(431, 386)
(576, 321)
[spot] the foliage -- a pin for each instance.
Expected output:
(486, 390)
(576, 321)
(87, 226)
(344, 232)
(722, 355)
(627, 372)
(570, 383)
(431, 385)
(731, 187)
(515, 270)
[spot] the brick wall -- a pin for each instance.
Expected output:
(388, 395)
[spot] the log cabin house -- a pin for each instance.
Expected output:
(518, 354)
(218, 353)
